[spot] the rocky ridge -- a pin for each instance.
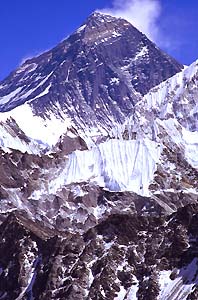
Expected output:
(126, 256)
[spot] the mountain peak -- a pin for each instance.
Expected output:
(100, 16)
(106, 58)
(102, 25)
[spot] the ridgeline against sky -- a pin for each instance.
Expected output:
(28, 28)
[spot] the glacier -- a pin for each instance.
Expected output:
(116, 165)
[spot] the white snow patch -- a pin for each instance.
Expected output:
(190, 137)
(114, 81)
(99, 211)
(191, 190)
(10, 140)
(81, 28)
(37, 194)
(143, 52)
(45, 92)
(71, 134)
(116, 34)
(29, 92)
(132, 292)
(30, 67)
(78, 191)
(12, 97)
(122, 293)
(2, 86)
(45, 131)
(183, 138)
(91, 277)
(108, 245)
(182, 285)
(5, 99)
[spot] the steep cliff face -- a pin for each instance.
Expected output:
(99, 170)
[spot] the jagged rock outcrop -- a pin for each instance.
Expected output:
(124, 257)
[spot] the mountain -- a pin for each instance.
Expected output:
(90, 80)
(99, 170)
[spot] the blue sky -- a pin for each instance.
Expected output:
(30, 27)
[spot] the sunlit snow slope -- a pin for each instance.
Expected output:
(172, 107)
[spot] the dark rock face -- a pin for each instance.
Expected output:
(124, 253)
(102, 69)
(67, 144)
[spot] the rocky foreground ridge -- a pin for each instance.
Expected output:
(126, 256)
(99, 170)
